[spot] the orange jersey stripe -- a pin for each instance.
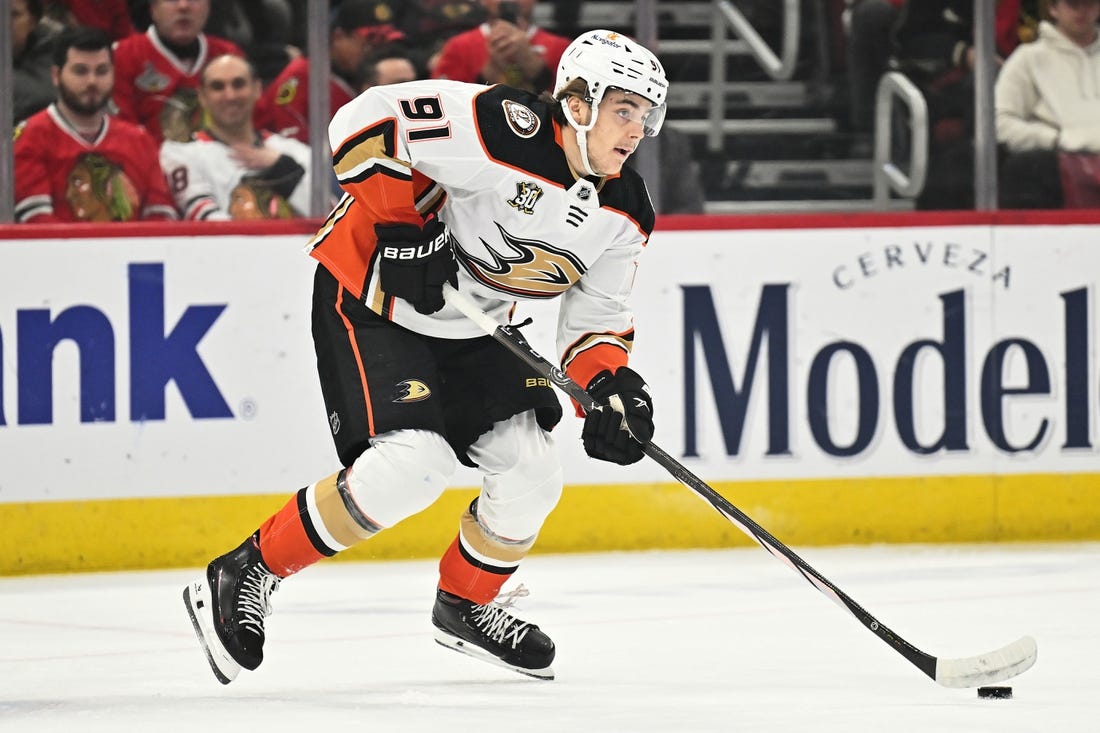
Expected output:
(358, 361)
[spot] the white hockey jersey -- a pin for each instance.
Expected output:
(208, 184)
(489, 162)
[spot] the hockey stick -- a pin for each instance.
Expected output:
(995, 666)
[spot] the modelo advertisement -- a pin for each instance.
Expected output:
(184, 366)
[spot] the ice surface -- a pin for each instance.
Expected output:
(663, 641)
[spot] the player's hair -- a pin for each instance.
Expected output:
(82, 38)
(575, 88)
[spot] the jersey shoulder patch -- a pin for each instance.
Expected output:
(516, 129)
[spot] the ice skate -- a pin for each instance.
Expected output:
(227, 608)
(491, 633)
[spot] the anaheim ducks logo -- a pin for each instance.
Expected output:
(525, 267)
(411, 390)
(521, 119)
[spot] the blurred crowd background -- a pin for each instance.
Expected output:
(775, 105)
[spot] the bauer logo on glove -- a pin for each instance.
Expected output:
(416, 252)
(414, 262)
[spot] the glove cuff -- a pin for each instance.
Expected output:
(605, 384)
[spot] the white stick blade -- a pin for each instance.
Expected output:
(985, 669)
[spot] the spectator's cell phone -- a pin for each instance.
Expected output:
(508, 11)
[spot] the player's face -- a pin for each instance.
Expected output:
(617, 131)
(228, 92)
(84, 84)
(179, 21)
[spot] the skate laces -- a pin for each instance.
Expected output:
(254, 602)
(497, 623)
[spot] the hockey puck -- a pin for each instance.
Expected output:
(995, 693)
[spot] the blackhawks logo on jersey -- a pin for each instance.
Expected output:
(97, 189)
(287, 91)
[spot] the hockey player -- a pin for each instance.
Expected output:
(510, 196)
(229, 155)
(358, 28)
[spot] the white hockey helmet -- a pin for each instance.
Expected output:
(608, 59)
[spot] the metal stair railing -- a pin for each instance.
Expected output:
(728, 17)
(893, 88)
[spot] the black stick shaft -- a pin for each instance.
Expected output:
(511, 337)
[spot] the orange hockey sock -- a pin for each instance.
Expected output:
(317, 522)
(476, 565)
(285, 541)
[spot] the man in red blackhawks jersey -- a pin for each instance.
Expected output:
(75, 162)
(157, 72)
(357, 28)
(509, 196)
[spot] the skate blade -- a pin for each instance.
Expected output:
(202, 619)
(473, 650)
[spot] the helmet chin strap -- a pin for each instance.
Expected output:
(582, 134)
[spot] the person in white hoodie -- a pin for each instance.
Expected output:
(1047, 100)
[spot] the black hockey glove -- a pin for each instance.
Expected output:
(414, 263)
(617, 431)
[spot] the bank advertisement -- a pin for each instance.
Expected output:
(184, 366)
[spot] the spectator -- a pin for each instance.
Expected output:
(870, 46)
(263, 28)
(567, 17)
(158, 70)
(31, 59)
(113, 16)
(229, 170)
(358, 27)
(428, 24)
(507, 49)
(1048, 106)
(387, 65)
(935, 49)
(75, 162)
